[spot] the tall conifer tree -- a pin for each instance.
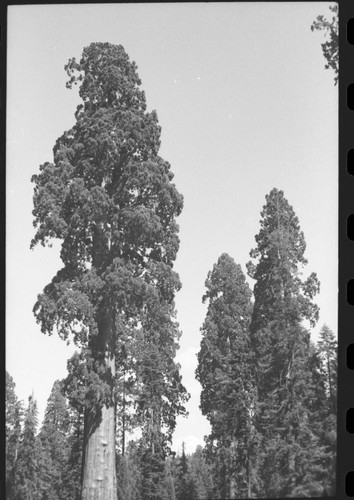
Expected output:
(328, 346)
(327, 352)
(27, 481)
(291, 452)
(109, 197)
(226, 375)
(55, 440)
(200, 474)
(160, 395)
(184, 484)
(13, 422)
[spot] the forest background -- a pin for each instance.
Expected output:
(244, 104)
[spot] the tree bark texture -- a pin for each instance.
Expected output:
(99, 471)
(99, 477)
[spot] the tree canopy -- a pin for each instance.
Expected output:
(330, 47)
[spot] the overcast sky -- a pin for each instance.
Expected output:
(245, 105)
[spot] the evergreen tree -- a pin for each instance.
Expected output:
(128, 475)
(161, 395)
(200, 473)
(184, 486)
(170, 484)
(328, 352)
(27, 482)
(75, 457)
(330, 47)
(225, 372)
(109, 197)
(152, 470)
(74, 388)
(54, 437)
(13, 422)
(291, 454)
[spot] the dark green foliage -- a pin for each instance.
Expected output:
(292, 458)
(170, 484)
(225, 371)
(13, 416)
(282, 299)
(129, 474)
(267, 390)
(327, 353)
(200, 475)
(184, 486)
(191, 476)
(74, 454)
(54, 438)
(330, 47)
(328, 346)
(160, 395)
(144, 475)
(27, 482)
(109, 197)
(152, 467)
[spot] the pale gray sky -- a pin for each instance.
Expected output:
(245, 105)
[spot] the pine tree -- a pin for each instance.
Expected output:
(13, 422)
(291, 455)
(225, 372)
(27, 482)
(109, 197)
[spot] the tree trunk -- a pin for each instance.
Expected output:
(99, 470)
(99, 477)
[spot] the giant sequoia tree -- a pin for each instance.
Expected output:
(292, 457)
(109, 197)
(226, 375)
